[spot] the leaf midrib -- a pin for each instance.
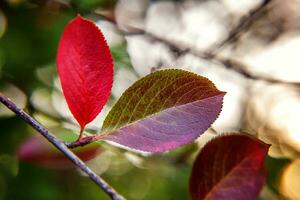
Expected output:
(227, 176)
(153, 114)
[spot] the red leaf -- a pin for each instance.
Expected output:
(85, 69)
(229, 167)
(38, 151)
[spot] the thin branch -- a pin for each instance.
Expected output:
(228, 63)
(62, 147)
(243, 25)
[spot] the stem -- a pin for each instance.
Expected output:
(62, 147)
(85, 141)
(80, 134)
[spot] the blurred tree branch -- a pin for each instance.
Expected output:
(244, 24)
(61, 147)
(229, 63)
(211, 55)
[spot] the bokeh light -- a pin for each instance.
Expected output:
(290, 180)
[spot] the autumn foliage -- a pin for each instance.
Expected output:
(160, 112)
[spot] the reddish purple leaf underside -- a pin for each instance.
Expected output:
(85, 69)
(38, 151)
(164, 110)
(229, 167)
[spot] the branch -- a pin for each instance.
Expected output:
(62, 147)
(244, 24)
(228, 63)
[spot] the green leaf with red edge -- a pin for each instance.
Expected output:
(85, 69)
(229, 167)
(163, 110)
(38, 150)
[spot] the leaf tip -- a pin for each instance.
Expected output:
(223, 93)
(79, 18)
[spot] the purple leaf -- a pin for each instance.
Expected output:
(38, 151)
(229, 167)
(163, 110)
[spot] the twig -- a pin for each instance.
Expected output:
(62, 147)
(82, 142)
(85, 140)
(244, 24)
(229, 63)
